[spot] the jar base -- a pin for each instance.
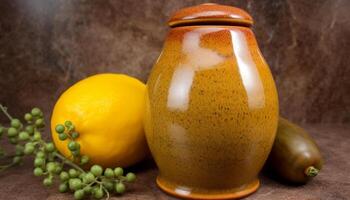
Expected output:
(187, 193)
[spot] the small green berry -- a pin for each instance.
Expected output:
(1, 130)
(70, 183)
(73, 173)
(60, 128)
(58, 169)
(63, 187)
(40, 154)
(118, 171)
(88, 178)
(79, 194)
(17, 159)
(64, 176)
(96, 170)
(50, 147)
(75, 135)
(51, 167)
(47, 181)
(109, 173)
(84, 159)
(120, 188)
(23, 136)
(87, 189)
(28, 117)
(29, 148)
(30, 129)
(130, 177)
(62, 136)
(15, 123)
(94, 189)
(36, 112)
(39, 122)
(68, 123)
(81, 175)
(73, 145)
(12, 132)
(38, 162)
(38, 171)
(75, 184)
(108, 185)
(37, 136)
(98, 193)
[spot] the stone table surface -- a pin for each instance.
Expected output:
(333, 183)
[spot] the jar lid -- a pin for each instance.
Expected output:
(210, 14)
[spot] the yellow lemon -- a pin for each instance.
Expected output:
(106, 110)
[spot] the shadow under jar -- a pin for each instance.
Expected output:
(211, 105)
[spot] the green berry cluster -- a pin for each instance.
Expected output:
(97, 182)
(25, 137)
(67, 132)
(51, 165)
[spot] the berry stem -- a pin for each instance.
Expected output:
(4, 167)
(107, 193)
(4, 110)
(3, 152)
(68, 162)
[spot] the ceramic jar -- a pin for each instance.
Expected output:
(212, 106)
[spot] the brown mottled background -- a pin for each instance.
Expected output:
(47, 45)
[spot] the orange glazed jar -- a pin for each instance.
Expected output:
(211, 105)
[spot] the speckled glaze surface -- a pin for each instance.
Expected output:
(212, 112)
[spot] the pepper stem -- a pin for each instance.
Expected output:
(311, 171)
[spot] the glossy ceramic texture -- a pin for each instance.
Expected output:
(211, 113)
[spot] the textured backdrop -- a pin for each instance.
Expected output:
(47, 45)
